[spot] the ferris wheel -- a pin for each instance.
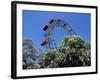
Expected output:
(49, 40)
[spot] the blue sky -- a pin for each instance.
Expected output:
(34, 21)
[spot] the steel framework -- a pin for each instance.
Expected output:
(49, 40)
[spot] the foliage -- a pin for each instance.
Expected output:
(72, 51)
(30, 54)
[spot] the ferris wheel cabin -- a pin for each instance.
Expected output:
(44, 42)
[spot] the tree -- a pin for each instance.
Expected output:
(72, 51)
(76, 51)
(49, 59)
(30, 55)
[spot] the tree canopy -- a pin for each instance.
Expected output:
(72, 51)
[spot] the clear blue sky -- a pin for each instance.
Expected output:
(33, 22)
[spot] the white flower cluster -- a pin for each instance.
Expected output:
(30, 57)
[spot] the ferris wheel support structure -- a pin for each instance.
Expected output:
(49, 40)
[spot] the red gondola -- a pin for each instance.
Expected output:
(45, 27)
(44, 42)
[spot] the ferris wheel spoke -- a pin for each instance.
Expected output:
(49, 32)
